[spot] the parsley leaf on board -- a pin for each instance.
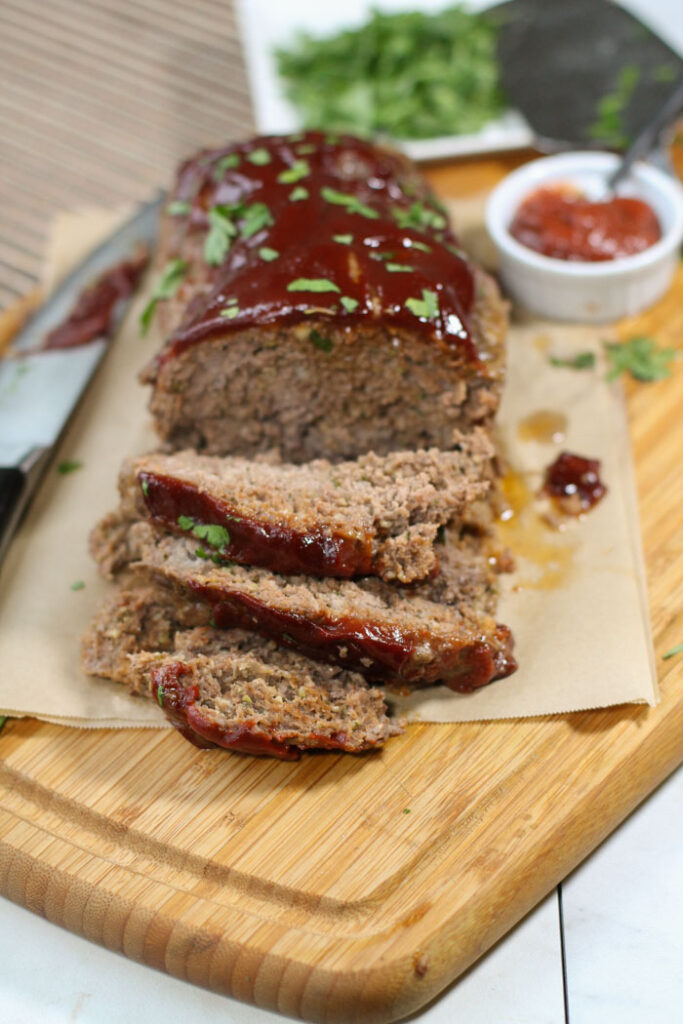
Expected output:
(678, 649)
(581, 361)
(68, 466)
(640, 357)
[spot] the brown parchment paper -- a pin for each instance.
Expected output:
(578, 613)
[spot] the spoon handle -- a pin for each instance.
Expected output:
(647, 138)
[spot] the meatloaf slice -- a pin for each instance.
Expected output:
(384, 631)
(377, 515)
(229, 688)
(324, 307)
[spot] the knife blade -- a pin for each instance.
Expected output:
(40, 388)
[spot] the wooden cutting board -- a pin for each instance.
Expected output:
(342, 888)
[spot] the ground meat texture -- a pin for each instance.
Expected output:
(397, 342)
(230, 688)
(377, 515)
(386, 632)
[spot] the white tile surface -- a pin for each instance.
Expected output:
(623, 920)
(48, 976)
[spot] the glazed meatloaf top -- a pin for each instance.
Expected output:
(314, 228)
(375, 515)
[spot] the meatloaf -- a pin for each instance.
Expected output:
(229, 688)
(314, 299)
(376, 515)
(438, 631)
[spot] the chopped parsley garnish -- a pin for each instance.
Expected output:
(425, 307)
(352, 203)
(144, 487)
(399, 268)
(343, 239)
(256, 217)
(672, 652)
(268, 254)
(299, 169)
(299, 193)
(320, 341)
(312, 284)
(222, 230)
(640, 357)
(581, 361)
(259, 157)
(418, 215)
(165, 288)
(306, 148)
(457, 251)
(406, 74)
(230, 312)
(406, 810)
(226, 163)
(410, 243)
(381, 256)
(348, 303)
(68, 466)
(178, 207)
(160, 695)
(77, 585)
(215, 535)
(287, 638)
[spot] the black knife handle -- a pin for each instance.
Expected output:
(12, 482)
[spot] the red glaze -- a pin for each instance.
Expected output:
(252, 541)
(574, 483)
(380, 653)
(559, 222)
(179, 703)
(93, 314)
(302, 233)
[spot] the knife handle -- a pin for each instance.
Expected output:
(12, 482)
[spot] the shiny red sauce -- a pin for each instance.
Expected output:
(336, 209)
(561, 223)
(255, 542)
(380, 653)
(574, 483)
(93, 315)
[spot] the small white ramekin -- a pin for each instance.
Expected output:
(586, 292)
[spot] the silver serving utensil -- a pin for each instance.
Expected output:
(39, 388)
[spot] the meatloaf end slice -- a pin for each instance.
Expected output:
(386, 632)
(229, 688)
(377, 515)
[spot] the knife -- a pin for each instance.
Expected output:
(40, 388)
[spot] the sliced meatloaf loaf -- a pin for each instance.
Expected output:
(229, 688)
(377, 515)
(319, 304)
(386, 632)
